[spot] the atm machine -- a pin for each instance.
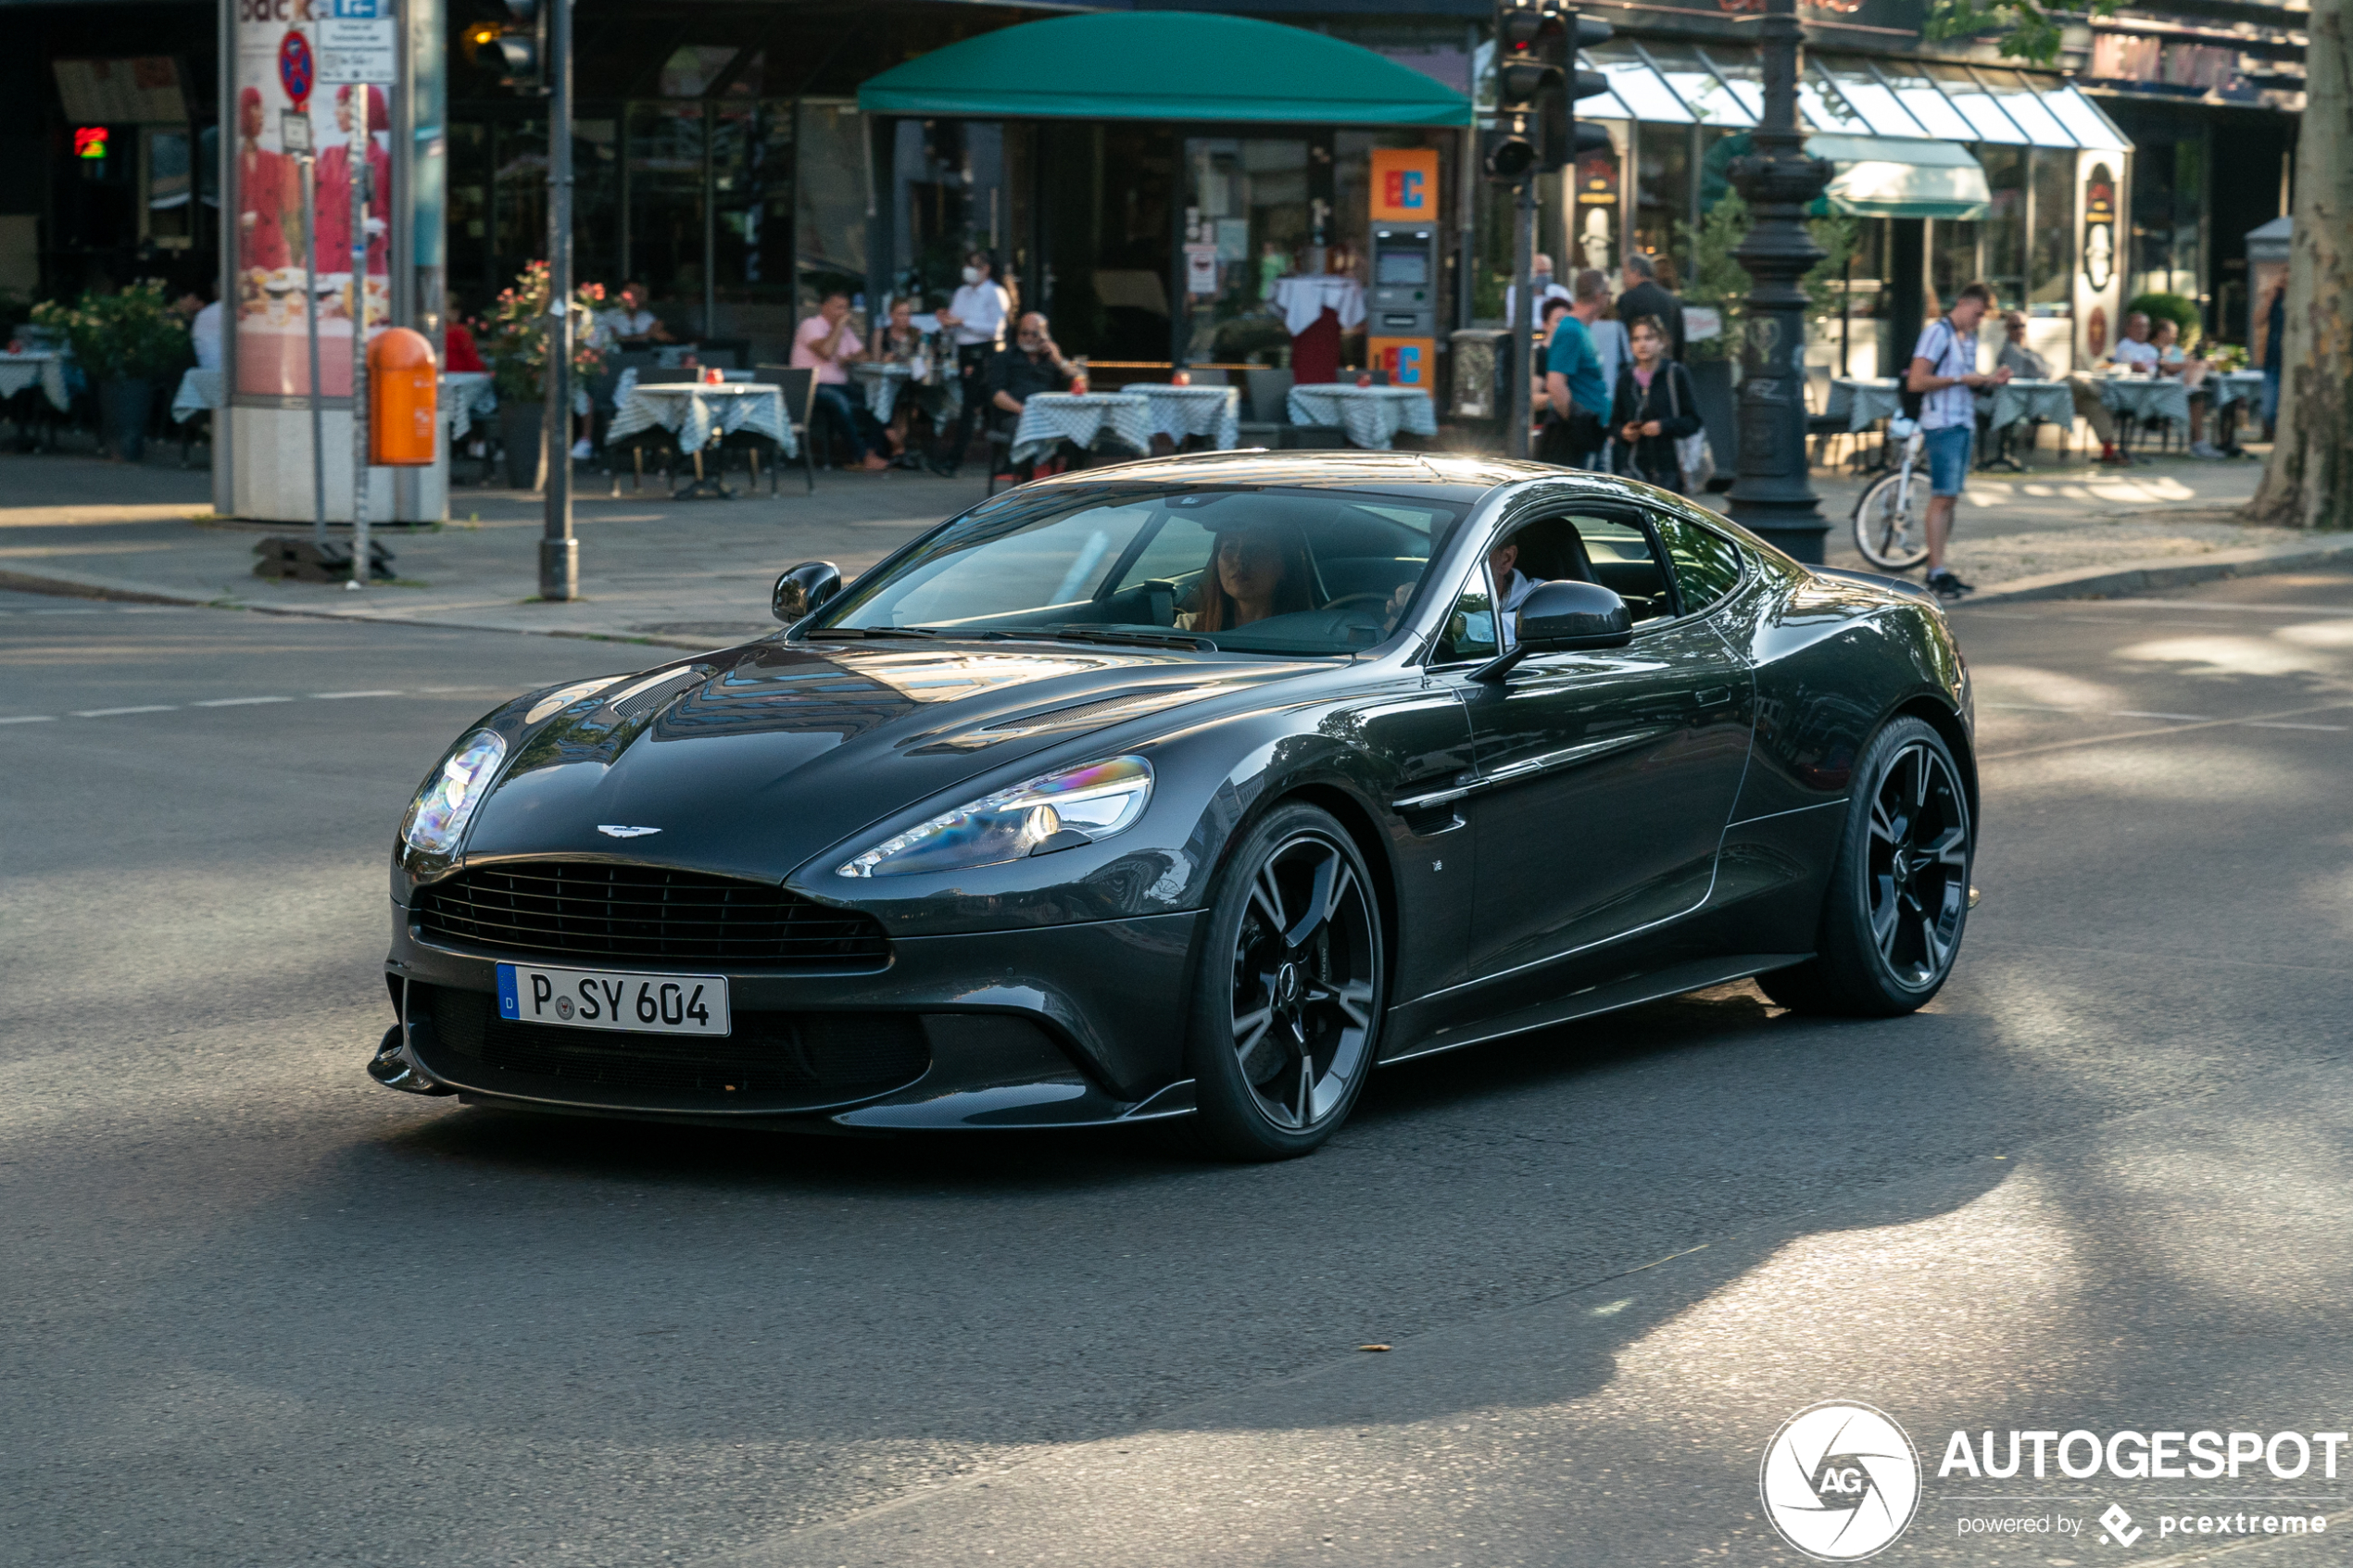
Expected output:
(1402, 329)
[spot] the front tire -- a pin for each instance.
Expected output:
(1287, 1006)
(1899, 890)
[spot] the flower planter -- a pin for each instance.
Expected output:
(124, 408)
(519, 423)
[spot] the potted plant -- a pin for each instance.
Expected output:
(126, 342)
(512, 335)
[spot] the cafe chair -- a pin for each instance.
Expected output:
(798, 388)
(1266, 414)
(661, 442)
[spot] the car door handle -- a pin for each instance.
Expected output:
(1714, 696)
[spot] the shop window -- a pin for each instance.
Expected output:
(171, 188)
(751, 167)
(518, 197)
(952, 195)
(694, 69)
(1953, 260)
(1662, 189)
(2050, 272)
(2005, 225)
(1247, 197)
(829, 202)
(665, 155)
(470, 264)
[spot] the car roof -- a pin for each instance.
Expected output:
(1433, 475)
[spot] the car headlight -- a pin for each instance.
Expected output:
(437, 818)
(1058, 811)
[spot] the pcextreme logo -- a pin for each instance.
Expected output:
(1840, 1481)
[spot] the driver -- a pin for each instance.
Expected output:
(1255, 572)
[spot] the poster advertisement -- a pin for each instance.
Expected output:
(286, 63)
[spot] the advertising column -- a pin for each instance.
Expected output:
(288, 55)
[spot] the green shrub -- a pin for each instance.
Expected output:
(130, 335)
(2180, 309)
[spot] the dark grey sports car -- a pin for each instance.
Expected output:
(1193, 789)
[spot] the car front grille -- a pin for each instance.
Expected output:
(588, 909)
(820, 1058)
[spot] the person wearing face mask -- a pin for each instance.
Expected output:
(974, 321)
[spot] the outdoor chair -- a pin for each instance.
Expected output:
(799, 391)
(1264, 415)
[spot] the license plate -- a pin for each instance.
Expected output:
(596, 999)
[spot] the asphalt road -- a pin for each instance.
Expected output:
(256, 1310)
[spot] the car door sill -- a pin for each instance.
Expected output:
(1674, 980)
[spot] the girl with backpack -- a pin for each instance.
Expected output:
(1654, 410)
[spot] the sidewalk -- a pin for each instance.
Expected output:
(693, 574)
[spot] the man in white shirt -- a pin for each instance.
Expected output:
(2134, 351)
(1943, 370)
(1546, 287)
(203, 334)
(976, 322)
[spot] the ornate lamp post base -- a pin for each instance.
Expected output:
(1774, 494)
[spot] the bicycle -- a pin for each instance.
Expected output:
(1890, 519)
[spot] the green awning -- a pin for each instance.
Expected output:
(1900, 176)
(1163, 65)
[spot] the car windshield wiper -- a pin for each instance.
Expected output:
(1072, 633)
(871, 631)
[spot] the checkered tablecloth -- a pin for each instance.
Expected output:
(18, 371)
(2234, 386)
(2020, 400)
(1213, 412)
(2147, 399)
(1371, 415)
(467, 396)
(1050, 417)
(1864, 403)
(879, 382)
(699, 414)
(199, 390)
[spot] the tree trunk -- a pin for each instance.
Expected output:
(2310, 480)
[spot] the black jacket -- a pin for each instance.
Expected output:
(1648, 298)
(1669, 400)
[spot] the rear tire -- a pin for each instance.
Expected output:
(1287, 1006)
(1898, 896)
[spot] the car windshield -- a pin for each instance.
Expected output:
(1282, 570)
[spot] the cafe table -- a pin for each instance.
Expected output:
(18, 371)
(1049, 418)
(1863, 401)
(1370, 415)
(1213, 413)
(699, 414)
(878, 383)
(2149, 399)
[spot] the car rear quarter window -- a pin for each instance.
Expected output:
(1706, 566)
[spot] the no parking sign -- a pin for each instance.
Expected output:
(297, 72)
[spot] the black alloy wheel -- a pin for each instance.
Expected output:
(1898, 896)
(1286, 1013)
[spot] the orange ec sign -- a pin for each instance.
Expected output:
(1404, 185)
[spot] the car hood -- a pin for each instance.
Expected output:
(748, 762)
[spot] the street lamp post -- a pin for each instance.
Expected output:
(1773, 494)
(559, 549)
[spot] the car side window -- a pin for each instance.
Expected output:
(1469, 628)
(1706, 566)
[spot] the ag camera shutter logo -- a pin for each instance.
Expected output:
(1840, 1481)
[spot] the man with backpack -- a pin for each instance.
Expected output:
(1941, 392)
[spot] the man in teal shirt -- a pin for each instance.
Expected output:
(1577, 404)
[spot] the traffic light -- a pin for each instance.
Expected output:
(517, 51)
(1528, 41)
(1565, 139)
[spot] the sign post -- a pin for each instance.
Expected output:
(293, 134)
(359, 41)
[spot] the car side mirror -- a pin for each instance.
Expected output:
(804, 588)
(1561, 616)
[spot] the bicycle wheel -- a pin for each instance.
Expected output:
(1891, 521)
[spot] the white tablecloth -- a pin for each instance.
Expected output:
(1864, 403)
(1178, 411)
(2020, 400)
(1301, 301)
(467, 396)
(2234, 386)
(1371, 415)
(199, 390)
(879, 384)
(18, 371)
(700, 413)
(2147, 399)
(1049, 418)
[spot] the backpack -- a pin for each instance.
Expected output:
(1692, 452)
(1913, 402)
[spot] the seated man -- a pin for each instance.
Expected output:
(1031, 365)
(2171, 360)
(2092, 409)
(825, 343)
(630, 324)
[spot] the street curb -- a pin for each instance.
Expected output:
(2164, 571)
(89, 586)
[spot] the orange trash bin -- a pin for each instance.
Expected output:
(404, 420)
